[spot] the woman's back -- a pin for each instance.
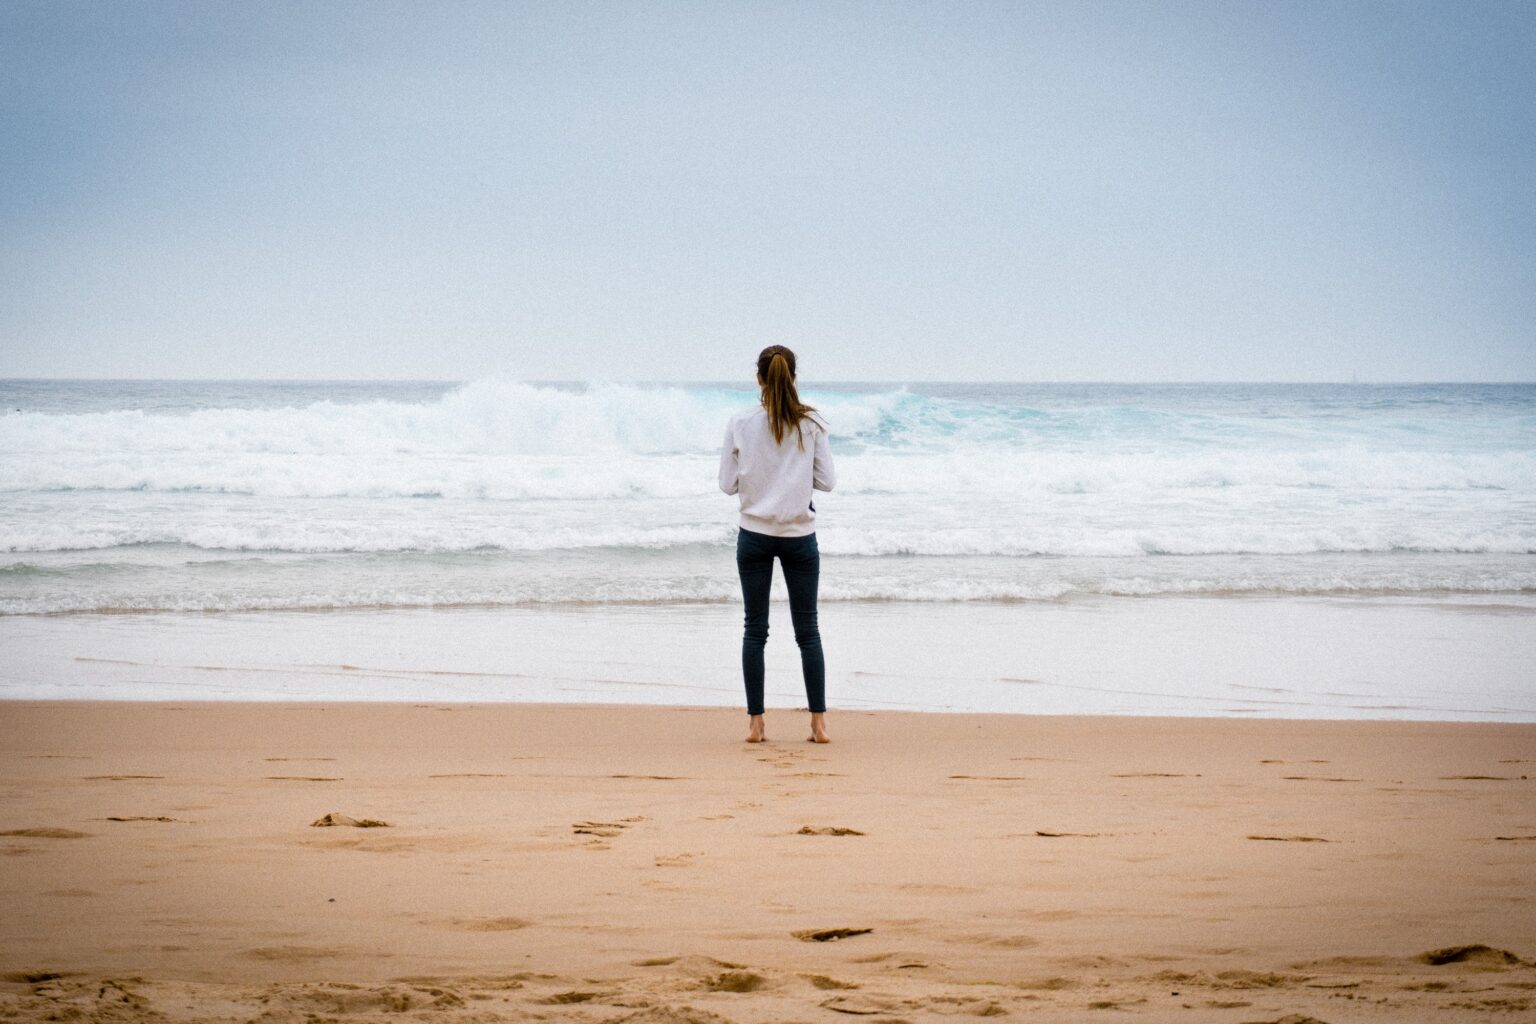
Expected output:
(775, 478)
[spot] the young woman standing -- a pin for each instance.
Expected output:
(774, 456)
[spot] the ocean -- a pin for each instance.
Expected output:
(177, 498)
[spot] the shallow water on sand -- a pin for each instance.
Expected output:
(1342, 658)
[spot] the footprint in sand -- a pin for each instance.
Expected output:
(293, 954)
(302, 778)
(1062, 835)
(1152, 775)
(46, 833)
(678, 860)
(899, 961)
(575, 996)
(1291, 839)
(827, 830)
(32, 977)
(861, 1005)
(601, 830)
(337, 819)
(489, 924)
(784, 758)
(735, 981)
(119, 778)
(994, 778)
(1316, 778)
(693, 963)
(1476, 954)
(1242, 979)
(352, 1001)
(829, 934)
(139, 817)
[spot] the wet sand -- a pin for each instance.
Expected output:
(606, 863)
(1454, 658)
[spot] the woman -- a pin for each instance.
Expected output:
(774, 455)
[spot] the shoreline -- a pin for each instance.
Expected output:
(1292, 658)
(779, 713)
(646, 863)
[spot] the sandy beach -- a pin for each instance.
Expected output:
(607, 863)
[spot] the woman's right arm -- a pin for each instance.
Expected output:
(728, 468)
(823, 476)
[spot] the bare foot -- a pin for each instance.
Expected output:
(819, 728)
(755, 730)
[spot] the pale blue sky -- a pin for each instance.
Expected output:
(653, 191)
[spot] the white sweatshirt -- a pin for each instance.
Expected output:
(775, 479)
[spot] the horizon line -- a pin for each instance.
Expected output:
(701, 381)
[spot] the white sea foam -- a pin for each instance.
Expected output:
(504, 440)
(722, 590)
(298, 535)
(1005, 481)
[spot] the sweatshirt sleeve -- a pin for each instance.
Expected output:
(728, 481)
(823, 476)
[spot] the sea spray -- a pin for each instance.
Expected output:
(229, 496)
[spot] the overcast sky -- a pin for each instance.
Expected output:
(654, 191)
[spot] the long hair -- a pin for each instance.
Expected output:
(776, 374)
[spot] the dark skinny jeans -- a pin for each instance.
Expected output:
(801, 561)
